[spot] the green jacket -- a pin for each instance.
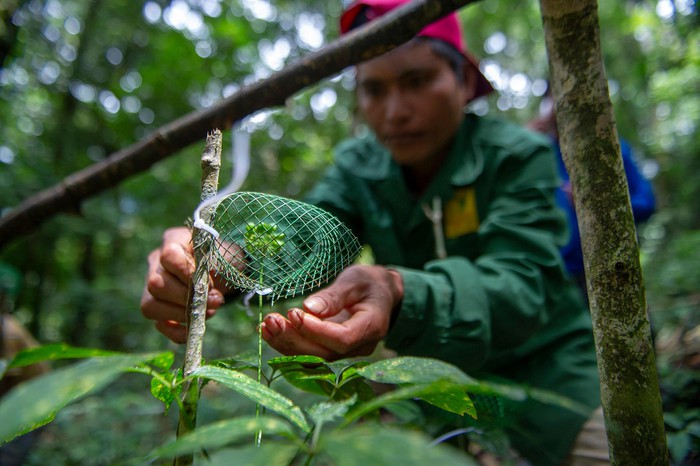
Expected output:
(499, 305)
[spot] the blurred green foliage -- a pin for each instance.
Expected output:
(81, 79)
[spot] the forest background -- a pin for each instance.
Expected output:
(80, 80)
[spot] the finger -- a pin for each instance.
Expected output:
(279, 333)
(330, 301)
(173, 330)
(157, 309)
(176, 253)
(164, 286)
(342, 338)
(215, 299)
(340, 317)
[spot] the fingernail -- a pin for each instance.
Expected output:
(264, 330)
(272, 325)
(296, 317)
(315, 305)
(216, 298)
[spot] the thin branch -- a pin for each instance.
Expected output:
(376, 38)
(197, 306)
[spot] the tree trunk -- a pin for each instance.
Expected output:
(590, 147)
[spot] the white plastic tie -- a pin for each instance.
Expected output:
(249, 296)
(202, 225)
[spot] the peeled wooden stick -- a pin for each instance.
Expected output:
(197, 306)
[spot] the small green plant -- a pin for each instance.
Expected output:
(342, 426)
(312, 249)
(262, 242)
(262, 239)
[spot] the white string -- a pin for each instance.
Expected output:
(435, 217)
(240, 155)
(249, 296)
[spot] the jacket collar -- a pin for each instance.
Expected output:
(370, 160)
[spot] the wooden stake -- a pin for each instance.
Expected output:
(197, 306)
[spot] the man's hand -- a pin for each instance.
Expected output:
(165, 295)
(348, 318)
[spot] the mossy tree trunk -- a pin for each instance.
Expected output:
(590, 146)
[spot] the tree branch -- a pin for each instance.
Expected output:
(375, 38)
(197, 305)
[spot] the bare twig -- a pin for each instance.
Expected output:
(197, 306)
(376, 38)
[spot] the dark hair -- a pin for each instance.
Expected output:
(442, 49)
(454, 57)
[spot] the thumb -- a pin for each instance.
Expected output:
(331, 300)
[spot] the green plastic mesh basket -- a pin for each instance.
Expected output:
(278, 247)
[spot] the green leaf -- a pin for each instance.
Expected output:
(256, 392)
(164, 361)
(451, 398)
(267, 454)
(246, 360)
(282, 361)
(678, 444)
(674, 420)
(441, 392)
(308, 373)
(406, 412)
(34, 403)
(222, 433)
(167, 393)
(316, 375)
(354, 386)
(542, 396)
(262, 239)
(346, 369)
(162, 392)
(328, 411)
(382, 446)
(413, 370)
(694, 429)
(53, 352)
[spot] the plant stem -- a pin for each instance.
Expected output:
(258, 436)
(263, 241)
(197, 305)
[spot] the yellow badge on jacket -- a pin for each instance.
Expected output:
(461, 216)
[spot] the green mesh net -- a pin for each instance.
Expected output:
(278, 247)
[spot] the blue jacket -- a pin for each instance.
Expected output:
(641, 197)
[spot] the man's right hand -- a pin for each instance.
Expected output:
(166, 292)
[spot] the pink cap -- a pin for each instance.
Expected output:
(446, 29)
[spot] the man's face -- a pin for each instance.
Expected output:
(414, 103)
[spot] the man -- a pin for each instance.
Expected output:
(493, 299)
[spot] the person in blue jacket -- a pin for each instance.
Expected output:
(640, 189)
